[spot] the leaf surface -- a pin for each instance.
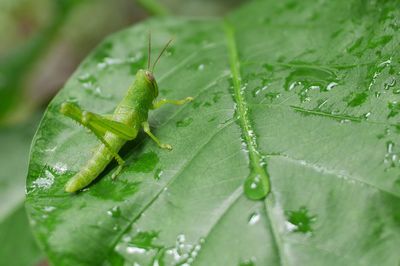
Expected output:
(309, 89)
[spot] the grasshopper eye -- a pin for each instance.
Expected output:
(152, 80)
(150, 76)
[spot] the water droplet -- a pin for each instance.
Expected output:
(256, 186)
(157, 175)
(389, 84)
(307, 78)
(170, 51)
(49, 208)
(366, 115)
(391, 157)
(116, 228)
(181, 238)
(114, 212)
(135, 250)
(184, 122)
(331, 85)
(254, 218)
(394, 108)
(87, 80)
(46, 179)
(300, 221)
(257, 91)
(201, 67)
(272, 95)
(89, 83)
(60, 168)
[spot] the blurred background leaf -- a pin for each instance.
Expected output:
(45, 40)
(15, 235)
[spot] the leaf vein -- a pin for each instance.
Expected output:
(255, 157)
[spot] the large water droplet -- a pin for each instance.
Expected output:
(306, 78)
(256, 186)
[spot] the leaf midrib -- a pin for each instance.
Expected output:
(245, 125)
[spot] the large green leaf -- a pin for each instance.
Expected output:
(307, 87)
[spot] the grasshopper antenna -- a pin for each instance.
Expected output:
(149, 53)
(158, 58)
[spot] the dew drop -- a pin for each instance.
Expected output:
(116, 228)
(45, 181)
(394, 108)
(49, 208)
(256, 186)
(366, 115)
(391, 156)
(135, 250)
(272, 95)
(389, 84)
(306, 78)
(254, 218)
(257, 91)
(114, 212)
(87, 80)
(331, 85)
(157, 175)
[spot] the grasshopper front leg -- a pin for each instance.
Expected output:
(146, 128)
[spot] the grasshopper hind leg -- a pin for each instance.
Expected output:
(99, 125)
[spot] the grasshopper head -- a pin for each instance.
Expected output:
(149, 80)
(152, 82)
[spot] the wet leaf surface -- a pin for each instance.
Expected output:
(298, 93)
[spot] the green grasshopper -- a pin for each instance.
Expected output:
(115, 130)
